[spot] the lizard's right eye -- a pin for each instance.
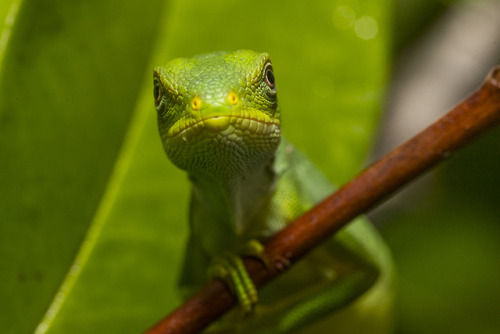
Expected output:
(158, 94)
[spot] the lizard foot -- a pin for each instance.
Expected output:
(231, 270)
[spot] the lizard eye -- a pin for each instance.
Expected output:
(269, 77)
(158, 95)
(270, 82)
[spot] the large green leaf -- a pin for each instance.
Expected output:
(70, 75)
(78, 79)
(8, 11)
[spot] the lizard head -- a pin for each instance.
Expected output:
(218, 113)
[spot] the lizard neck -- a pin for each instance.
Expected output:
(228, 207)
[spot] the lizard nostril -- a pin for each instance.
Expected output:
(196, 103)
(232, 98)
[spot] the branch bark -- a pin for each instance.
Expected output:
(474, 116)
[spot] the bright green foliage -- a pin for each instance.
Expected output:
(65, 103)
(69, 91)
(70, 78)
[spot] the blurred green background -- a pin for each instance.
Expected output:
(93, 216)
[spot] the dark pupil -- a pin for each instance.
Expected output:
(270, 77)
(156, 91)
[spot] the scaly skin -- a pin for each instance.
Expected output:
(240, 113)
(219, 120)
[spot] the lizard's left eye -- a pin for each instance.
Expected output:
(269, 77)
(158, 94)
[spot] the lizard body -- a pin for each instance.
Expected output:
(219, 120)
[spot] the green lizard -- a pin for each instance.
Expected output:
(219, 120)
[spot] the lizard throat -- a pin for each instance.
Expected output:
(222, 146)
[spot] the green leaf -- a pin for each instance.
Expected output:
(8, 14)
(71, 90)
(70, 76)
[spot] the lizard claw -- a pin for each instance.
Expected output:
(231, 270)
(255, 249)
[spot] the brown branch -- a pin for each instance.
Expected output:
(474, 116)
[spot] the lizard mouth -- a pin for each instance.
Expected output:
(246, 123)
